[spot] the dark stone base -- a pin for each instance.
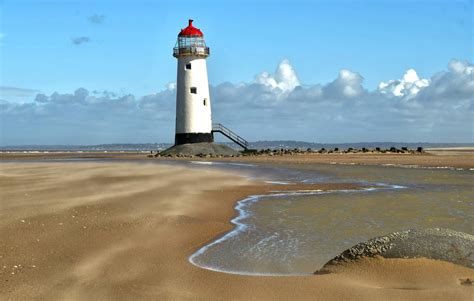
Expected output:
(193, 138)
(200, 149)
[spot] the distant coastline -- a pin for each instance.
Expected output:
(271, 144)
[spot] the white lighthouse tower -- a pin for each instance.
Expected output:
(194, 129)
(193, 104)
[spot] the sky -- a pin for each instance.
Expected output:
(92, 72)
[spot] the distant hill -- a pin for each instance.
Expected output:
(357, 145)
(286, 144)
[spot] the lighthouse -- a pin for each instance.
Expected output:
(193, 104)
(194, 128)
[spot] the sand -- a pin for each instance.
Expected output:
(108, 231)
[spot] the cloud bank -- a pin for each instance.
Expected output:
(274, 106)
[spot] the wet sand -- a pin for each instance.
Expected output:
(82, 231)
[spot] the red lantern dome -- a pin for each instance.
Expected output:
(190, 43)
(191, 31)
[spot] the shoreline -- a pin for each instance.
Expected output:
(433, 159)
(139, 233)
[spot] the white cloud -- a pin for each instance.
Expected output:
(455, 84)
(97, 19)
(408, 86)
(80, 40)
(171, 86)
(17, 95)
(460, 67)
(347, 85)
(284, 78)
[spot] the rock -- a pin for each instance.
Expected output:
(202, 150)
(433, 243)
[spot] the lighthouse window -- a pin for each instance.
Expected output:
(205, 101)
(193, 90)
(188, 66)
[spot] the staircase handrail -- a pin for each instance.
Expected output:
(218, 127)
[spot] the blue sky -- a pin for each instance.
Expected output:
(124, 48)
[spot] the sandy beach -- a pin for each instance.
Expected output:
(103, 231)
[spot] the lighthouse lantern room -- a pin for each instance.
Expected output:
(193, 104)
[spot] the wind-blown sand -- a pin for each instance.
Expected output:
(83, 231)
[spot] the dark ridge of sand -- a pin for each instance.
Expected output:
(105, 231)
(433, 243)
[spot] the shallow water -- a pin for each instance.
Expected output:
(297, 234)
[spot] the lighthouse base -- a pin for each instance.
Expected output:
(196, 149)
(187, 138)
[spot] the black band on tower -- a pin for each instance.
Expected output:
(193, 138)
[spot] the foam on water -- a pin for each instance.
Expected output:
(222, 163)
(404, 166)
(279, 182)
(203, 162)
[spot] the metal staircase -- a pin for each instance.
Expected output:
(219, 128)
